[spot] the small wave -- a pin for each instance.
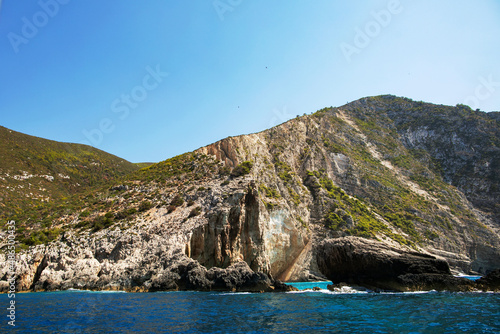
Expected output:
(347, 290)
(73, 289)
(111, 291)
(233, 293)
(337, 291)
(93, 291)
(407, 292)
(306, 291)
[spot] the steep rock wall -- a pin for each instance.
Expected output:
(356, 170)
(245, 231)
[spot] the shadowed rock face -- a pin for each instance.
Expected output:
(377, 266)
(232, 234)
(188, 274)
(490, 282)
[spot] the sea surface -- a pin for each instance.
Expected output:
(217, 312)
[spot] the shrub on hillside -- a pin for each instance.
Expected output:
(195, 212)
(144, 206)
(177, 200)
(242, 169)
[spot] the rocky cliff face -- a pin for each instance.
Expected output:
(144, 258)
(373, 265)
(462, 145)
(381, 168)
(243, 230)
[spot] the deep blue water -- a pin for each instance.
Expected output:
(206, 312)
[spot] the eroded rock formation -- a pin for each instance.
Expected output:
(382, 169)
(377, 266)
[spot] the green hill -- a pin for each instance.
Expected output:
(36, 173)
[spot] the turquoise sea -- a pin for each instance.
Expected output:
(217, 312)
(310, 285)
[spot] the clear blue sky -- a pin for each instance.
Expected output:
(70, 68)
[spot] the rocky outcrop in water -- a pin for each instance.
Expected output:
(377, 266)
(188, 274)
(490, 282)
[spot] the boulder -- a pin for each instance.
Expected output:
(438, 282)
(490, 282)
(187, 274)
(377, 266)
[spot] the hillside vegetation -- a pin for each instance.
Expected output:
(38, 175)
(413, 174)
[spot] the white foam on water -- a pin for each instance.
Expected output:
(92, 291)
(337, 291)
(347, 290)
(118, 291)
(408, 292)
(232, 293)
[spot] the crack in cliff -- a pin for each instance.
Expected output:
(251, 230)
(43, 264)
